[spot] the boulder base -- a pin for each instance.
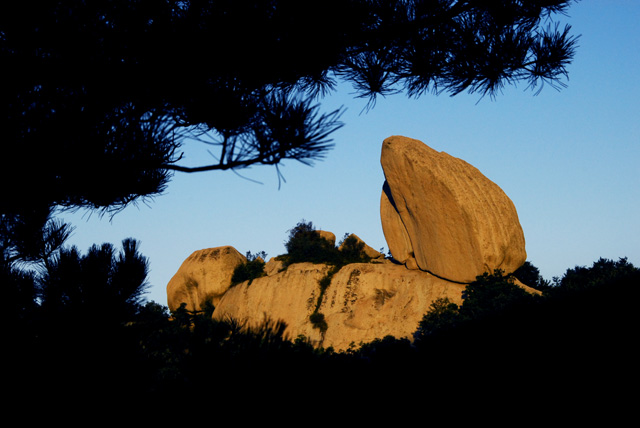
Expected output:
(364, 301)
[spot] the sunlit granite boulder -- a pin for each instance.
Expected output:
(441, 215)
(445, 223)
(203, 277)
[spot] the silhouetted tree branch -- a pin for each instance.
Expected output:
(283, 129)
(100, 96)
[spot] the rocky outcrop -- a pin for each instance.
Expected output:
(364, 301)
(445, 224)
(203, 277)
(441, 215)
(288, 295)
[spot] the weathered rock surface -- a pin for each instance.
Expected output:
(443, 220)
(288, 295)
(204, 276)
(365, 301)
(441, 215)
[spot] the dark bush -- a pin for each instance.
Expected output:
(602, 273)
(490, 294)
(443, 315)
(352, 250)
(529, 275)
(305, 244)
(318, 321)
(252, 269)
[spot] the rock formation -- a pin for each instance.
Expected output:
(204, 276)
(364, 301)
(445, 223)
(441, 215)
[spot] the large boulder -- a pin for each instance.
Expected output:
(365, 301)
(441, 215)
(203, 277)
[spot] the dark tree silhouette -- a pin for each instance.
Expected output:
(31, 237)
(101, 285)
(305, 244)
(99, 96)
(530, 275)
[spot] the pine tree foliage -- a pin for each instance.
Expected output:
(100, 96)
(102, 284)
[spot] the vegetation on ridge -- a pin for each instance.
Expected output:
(253, 268)
(306, 244)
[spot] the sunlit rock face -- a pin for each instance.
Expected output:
(203, 277)
(441, 215)
(445, 223)
(364, 302)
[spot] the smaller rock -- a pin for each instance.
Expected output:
(329, 236)
(203, 277)
(368, 251)
(273, 266)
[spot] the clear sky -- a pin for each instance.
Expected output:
(569, 160)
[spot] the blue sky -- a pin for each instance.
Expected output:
(569, 160)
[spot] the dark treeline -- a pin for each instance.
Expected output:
(78, 322)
